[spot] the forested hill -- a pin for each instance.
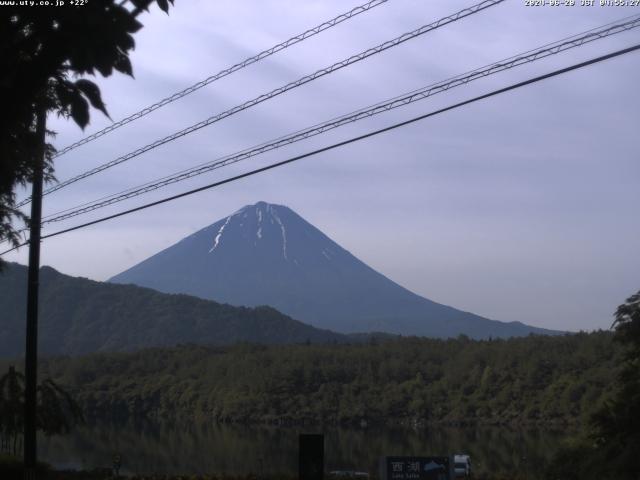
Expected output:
(538, 379)
(81, 316)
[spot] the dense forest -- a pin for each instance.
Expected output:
(536, 379)
(79, 316)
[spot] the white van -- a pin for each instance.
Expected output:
(462, 465)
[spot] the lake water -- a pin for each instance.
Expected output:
(192, 449)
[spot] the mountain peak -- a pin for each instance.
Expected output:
(266, 254)
(261, 206)
(261, 223)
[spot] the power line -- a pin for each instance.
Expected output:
(278, 91)
(416, 95)
(223, 73)
(343, 143)
(410, 97)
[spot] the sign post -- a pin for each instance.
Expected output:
(417, 468)
(311, 457)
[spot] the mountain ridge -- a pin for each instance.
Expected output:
(79, 316)
(266, 254)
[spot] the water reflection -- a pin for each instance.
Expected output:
(236, 449)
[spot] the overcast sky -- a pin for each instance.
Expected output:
(522, 207)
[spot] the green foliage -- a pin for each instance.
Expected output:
(627, 325)
(617, 423)
(11, 408)
(81, 316)
(42, 51)
(56, 409)
(532, 380)
(610, 449)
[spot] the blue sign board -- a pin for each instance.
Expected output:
(418, 468)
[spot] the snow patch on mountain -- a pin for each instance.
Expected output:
(318, 282)
(216, 240)
(275, 216)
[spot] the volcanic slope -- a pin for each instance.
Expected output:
(266, 254)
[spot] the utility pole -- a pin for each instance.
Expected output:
(33, 283)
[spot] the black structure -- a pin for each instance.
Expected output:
(311, 457)
(31, 347)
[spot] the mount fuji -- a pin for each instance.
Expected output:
(266, 254)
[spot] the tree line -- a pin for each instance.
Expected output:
(536, 379)
(57, 411)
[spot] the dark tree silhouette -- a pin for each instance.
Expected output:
(11, 409)
(610, 450)
(617, 424)
(43, 51)
(58, 412)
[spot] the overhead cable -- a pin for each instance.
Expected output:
(278, 91)
(343, 143)
(223, 73)
(406, 99)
